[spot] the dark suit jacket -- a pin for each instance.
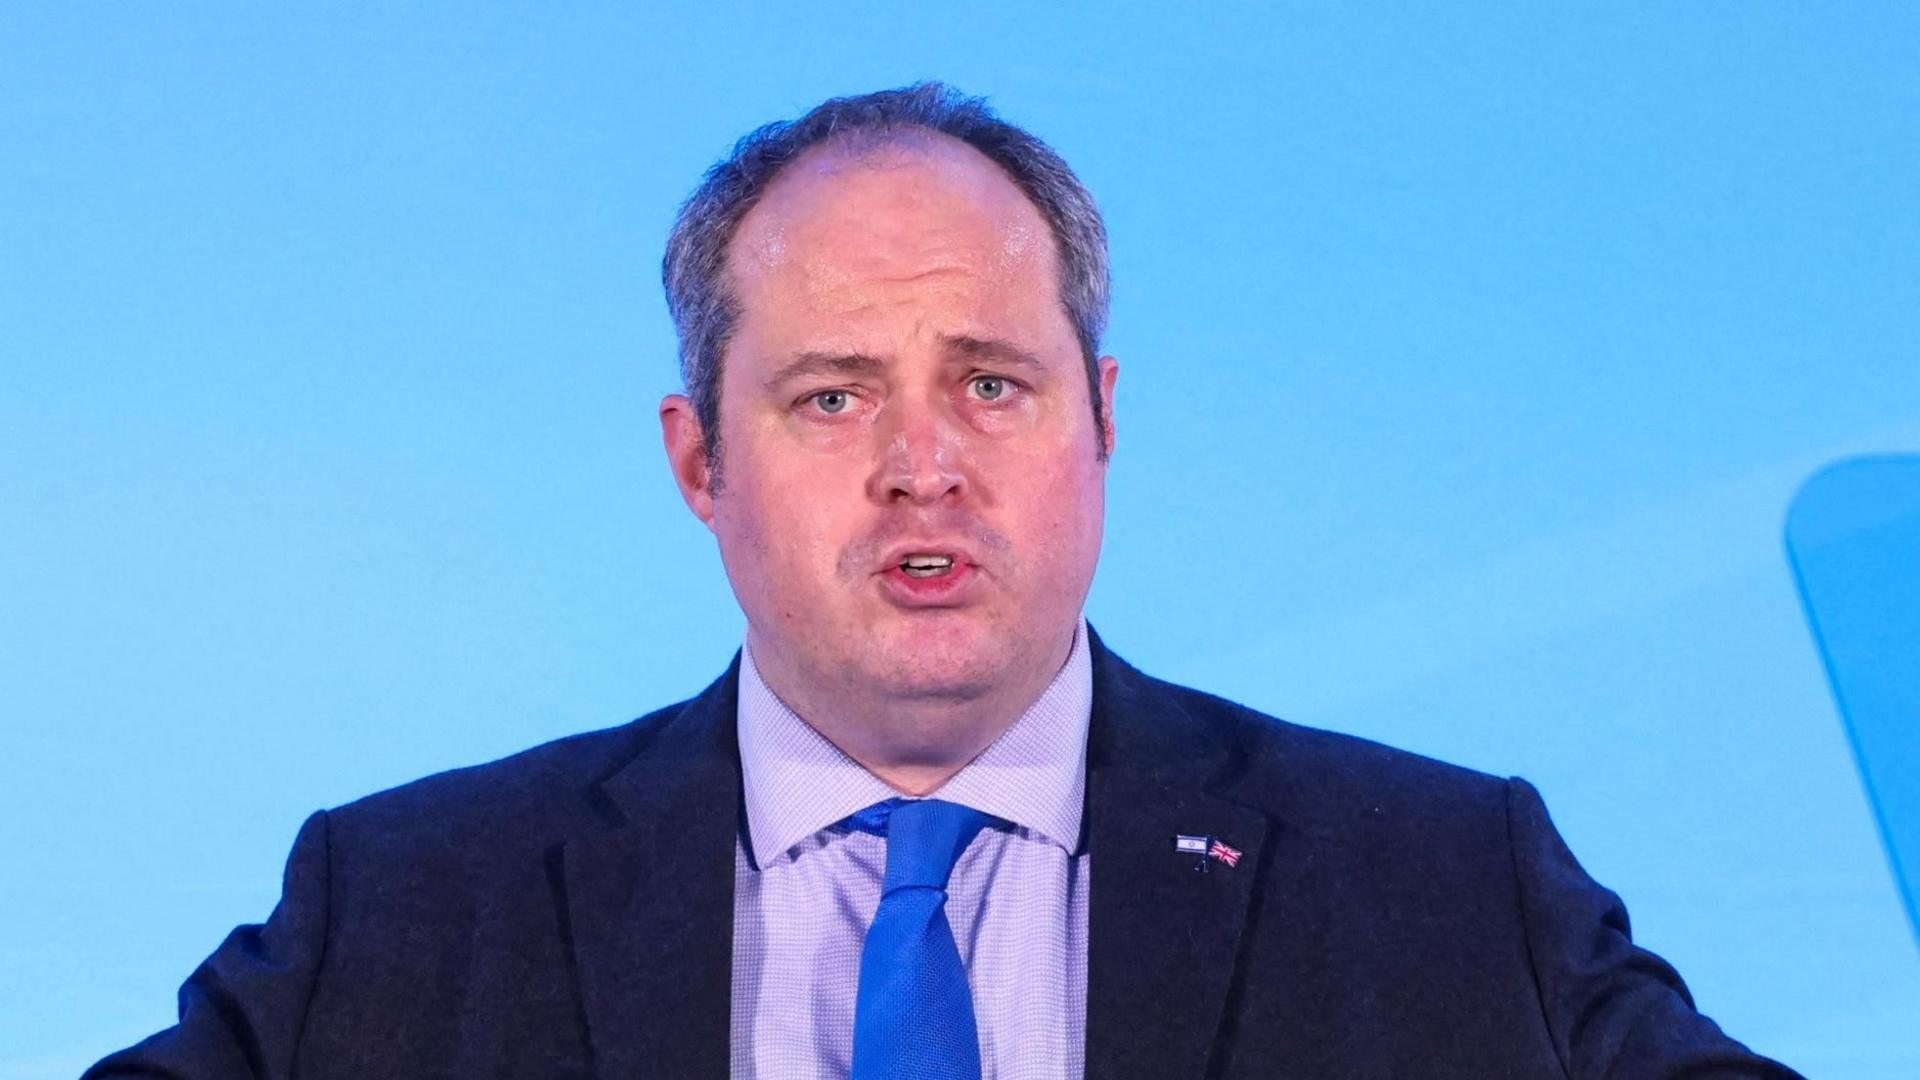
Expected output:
(568, 912)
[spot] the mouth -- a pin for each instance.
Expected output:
(926, 565)
(925, 557)
(927, 575)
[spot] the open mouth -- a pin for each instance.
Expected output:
(926, 566)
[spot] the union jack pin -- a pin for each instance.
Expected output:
(1203, 848)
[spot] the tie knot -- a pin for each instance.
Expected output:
(924, 838)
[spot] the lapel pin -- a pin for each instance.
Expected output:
(1203, 848)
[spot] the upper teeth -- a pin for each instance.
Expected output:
(928, 562)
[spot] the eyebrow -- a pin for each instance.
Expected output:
(825, 363)
(993, 351)
(986, 350)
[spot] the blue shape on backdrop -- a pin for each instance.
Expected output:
(1853, 533)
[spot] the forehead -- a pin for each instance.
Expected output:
(853, 217)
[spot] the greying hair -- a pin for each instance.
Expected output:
(694, 271)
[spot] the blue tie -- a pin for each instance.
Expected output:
(913, 1019)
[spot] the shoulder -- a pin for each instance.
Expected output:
(526, 799)
(1328, 780)
(1378, 821)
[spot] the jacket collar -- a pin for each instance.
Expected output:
(1164, 927)
(646, 884)
(646, 894)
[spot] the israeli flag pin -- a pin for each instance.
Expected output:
(1205, 848)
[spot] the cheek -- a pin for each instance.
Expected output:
(1062, 504)
(786, 531)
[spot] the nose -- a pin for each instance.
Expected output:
(921, 462)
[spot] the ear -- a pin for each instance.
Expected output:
(687, 455)
(1109, 375)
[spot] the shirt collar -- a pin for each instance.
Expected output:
(1034, 775)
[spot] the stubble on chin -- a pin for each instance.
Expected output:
(878, 651)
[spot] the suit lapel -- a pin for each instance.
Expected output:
(646, 888)
(1164, 937)
(648, 897)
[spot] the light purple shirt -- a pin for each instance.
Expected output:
(1017, 900)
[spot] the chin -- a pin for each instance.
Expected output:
(951, 667)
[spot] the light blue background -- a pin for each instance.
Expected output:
(1470, 357)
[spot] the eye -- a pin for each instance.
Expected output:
(989, 387)
(832, 401)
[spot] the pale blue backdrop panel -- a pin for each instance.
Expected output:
(1470, 356)
(1854, 532)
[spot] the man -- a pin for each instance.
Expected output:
(927, 824)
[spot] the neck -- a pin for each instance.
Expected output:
(926, 738)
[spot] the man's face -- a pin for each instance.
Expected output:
(913, 496)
